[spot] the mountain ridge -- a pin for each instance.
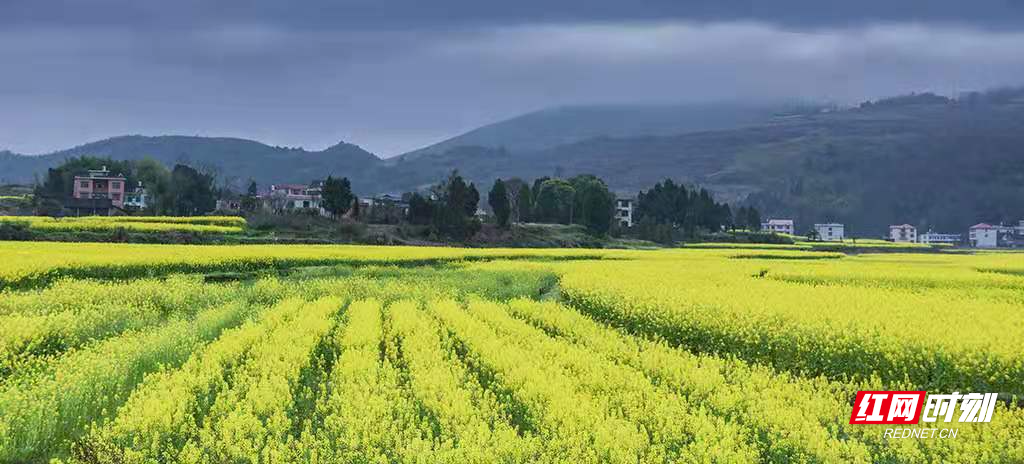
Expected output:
(561, 125)
(235, 159)
(922, 159)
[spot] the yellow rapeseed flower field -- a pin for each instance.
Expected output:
(145, 224)
(314, 353)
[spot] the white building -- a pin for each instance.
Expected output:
(935, 237)
(903, 233)
(984, 236)
(284, 197)
(779, 226)
(830, 232)
(624, 211)
(137, 199)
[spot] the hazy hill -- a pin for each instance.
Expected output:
(236, 160)
(569, 124)
(921, 159)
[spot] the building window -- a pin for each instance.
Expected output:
(84, 184)
(115, 185)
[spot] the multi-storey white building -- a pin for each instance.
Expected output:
(295, 196)
(830, 232)
(935, 237)
(780, 226)
(984, 235)
(624, 211)
(903, 233)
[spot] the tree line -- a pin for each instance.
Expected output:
(670, 211)
(665, 213)
(180, 191)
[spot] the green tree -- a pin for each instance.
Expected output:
(497, 198)
(472, 200)
(156, 179)
(740, 217)
(555, 202)
(753, 219)
(525, 204)
(692, 211)
(535, 190)
(421, 210)
(251, 199)
(356, 212)
(592, 203)
(514, 190)
(193, 192)
(336, 196)
(453, 212)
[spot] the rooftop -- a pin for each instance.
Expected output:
(288, 186)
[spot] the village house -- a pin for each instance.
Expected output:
(229, 204)
(830, 232)
(903, 233)
(624, 211)
(136, 199)
(931, 237)
(1009, 236)
(779, 226)
(387, 208)
(98, 192)
(983, 236)
(285, 197)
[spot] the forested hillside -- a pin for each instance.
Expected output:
(235, 161)
(922, 159)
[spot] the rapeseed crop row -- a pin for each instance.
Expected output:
(385, 354)
(145, 224)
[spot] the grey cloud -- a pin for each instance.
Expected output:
(398, 14)
(394, 80)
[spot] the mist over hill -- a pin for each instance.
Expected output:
(921, 159)
(552, 127)
(234, 160)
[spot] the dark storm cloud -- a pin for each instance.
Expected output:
(376, 14)
(393, 76)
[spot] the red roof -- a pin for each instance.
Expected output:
(983, 226)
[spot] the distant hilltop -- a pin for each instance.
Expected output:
(933, 161)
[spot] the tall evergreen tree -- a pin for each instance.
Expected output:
(251, 198)
(592, 203)
(497, 198)
(554, 203)
(420, 209)
(525, 204)
(192, 191)
(453, 215)
(472, 200)
(337, 196)
(753, 219)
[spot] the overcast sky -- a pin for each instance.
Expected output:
(395, 76)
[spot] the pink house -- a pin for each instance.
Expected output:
(100, 185)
